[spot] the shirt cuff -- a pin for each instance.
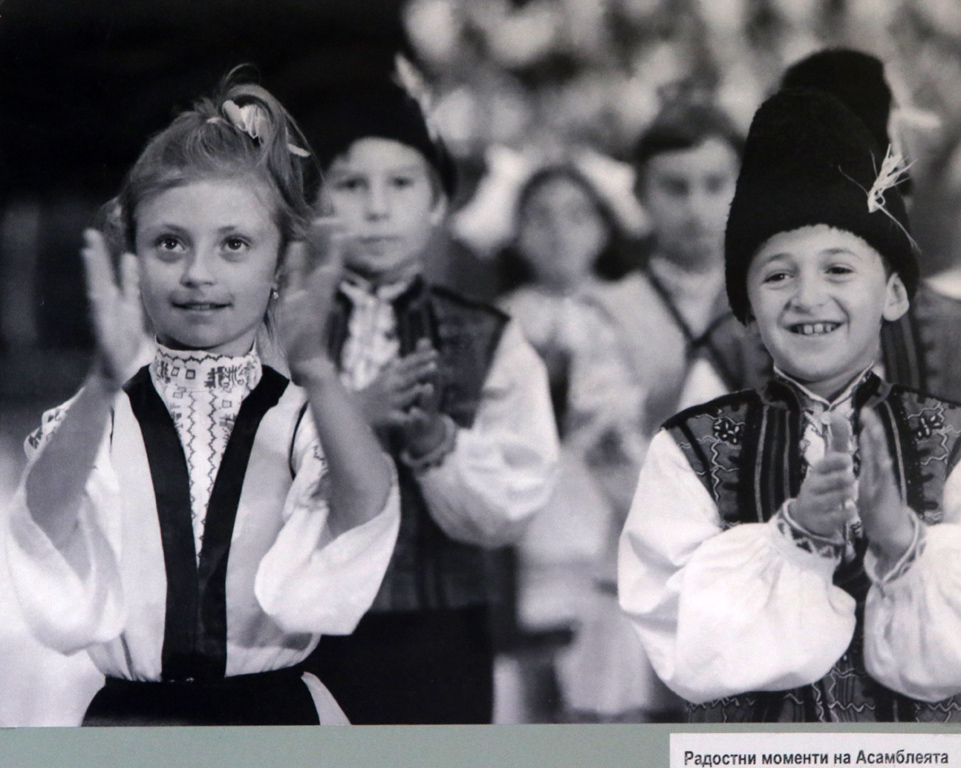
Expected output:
(904, 563)
(800, 538)
(435, 457)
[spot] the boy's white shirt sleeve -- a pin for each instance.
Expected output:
(502, 470)
(309, 581)
(71, 596)
(913, 620)
(722, 612)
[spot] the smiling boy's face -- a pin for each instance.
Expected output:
(818, 296)
(387, 201)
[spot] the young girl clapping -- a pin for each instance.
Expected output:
(197, 527)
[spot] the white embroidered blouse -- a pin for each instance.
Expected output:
(203, 394)
(287, 582)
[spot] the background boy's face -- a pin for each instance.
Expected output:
(387, 201)
(818, 295)
(687, 194)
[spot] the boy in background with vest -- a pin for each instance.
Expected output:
(459, 399)
(686, 344)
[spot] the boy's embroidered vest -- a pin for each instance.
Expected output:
(922, 350)
(745, 448)
(428, 569)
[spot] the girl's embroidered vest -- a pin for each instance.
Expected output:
(745, 448)
(428, 569)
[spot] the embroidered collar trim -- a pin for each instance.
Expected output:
(806, 396)
(359, 288)
(199, 371)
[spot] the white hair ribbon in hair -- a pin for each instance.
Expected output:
(250, 118)
(295, 150)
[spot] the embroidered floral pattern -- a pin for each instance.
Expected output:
(49, 423)
(728, 431)
(928, 424)
(371, 333)
(807, 541)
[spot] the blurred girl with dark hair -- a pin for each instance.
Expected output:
(565, 231)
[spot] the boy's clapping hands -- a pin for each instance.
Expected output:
(886, 518)
(831, 496)
(825, 503)
(404, 397)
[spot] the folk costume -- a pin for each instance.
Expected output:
(423, 654)
(567, 556)
(922, 350)
(201, 572)
(743, 612)
(753, 620)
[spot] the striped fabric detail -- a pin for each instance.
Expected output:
(195, 629)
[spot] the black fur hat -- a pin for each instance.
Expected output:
(854, 78)
(385, 111)
(809, 160)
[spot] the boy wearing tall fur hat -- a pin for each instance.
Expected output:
(922, 349)
(459, 399)
(792, 552)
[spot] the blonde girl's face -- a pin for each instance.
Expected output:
(561, 234)
(386, 200)
(208, 254)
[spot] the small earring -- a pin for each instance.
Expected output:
(274, 293)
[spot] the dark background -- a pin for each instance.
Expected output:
(83, 84)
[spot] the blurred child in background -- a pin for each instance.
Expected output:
(684, 337)
(459, 399)
(564, 230)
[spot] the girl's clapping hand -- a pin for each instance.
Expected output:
(116, 309)
(886, 519)
(312, 272)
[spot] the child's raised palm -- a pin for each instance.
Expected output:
(887, 523)
(402, 384)
(825, 503)
(313, 270)
(116, 310)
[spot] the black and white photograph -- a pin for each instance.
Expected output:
(480, 362)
